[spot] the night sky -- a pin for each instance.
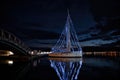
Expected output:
(38, 23)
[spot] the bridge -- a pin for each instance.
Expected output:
(9, 41)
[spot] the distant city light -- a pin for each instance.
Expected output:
(10, 53)
(45, 52)
(10, 62)
(32, 52)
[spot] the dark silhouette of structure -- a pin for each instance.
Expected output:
(9, 41)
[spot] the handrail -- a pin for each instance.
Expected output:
(10, 37)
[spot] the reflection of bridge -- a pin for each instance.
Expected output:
(9, 41)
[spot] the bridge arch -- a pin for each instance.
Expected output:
(10, 42)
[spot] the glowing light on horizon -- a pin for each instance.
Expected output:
(10, 62)
(11, 53)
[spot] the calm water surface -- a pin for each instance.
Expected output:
(61, 69)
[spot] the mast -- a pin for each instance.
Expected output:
(68, 42)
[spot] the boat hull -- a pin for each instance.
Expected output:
(66, 54)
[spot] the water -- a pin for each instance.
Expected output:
(87, 68)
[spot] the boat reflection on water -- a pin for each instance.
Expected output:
(66, 68)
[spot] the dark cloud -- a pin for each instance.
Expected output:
(45, 19)
(105, 8)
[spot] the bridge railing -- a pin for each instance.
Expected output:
(7, 36)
